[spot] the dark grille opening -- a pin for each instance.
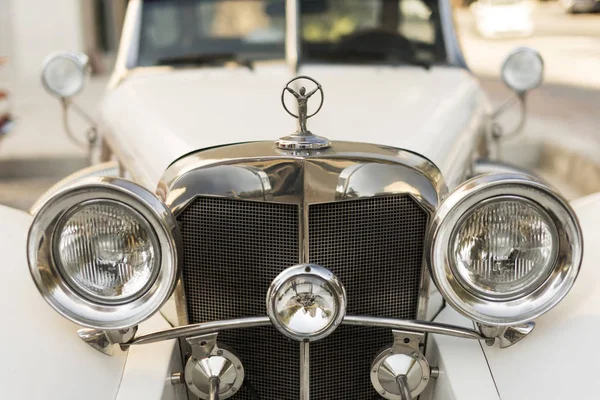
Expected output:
(375, 247)
(232, 252)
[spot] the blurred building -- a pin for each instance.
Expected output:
(32, 29)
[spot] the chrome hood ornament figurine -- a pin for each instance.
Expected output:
(303, 139)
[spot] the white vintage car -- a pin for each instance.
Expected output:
(214, 250)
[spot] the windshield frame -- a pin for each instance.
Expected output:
(126, 62)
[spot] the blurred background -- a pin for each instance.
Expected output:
(563, 117)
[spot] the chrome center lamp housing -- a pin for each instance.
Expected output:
(306, 302)
(103, 253)
(505, 248)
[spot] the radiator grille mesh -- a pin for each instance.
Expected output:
(232, 251)
(375, 247)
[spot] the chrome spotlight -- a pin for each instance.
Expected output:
(306, 302)
(505, 248)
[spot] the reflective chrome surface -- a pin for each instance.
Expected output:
(110, 168)
(212, 373)
(401, 372)
(233, 182)
(303, 139)
(69, 302)
(304, 370)
(306, 302)
(259, 171)
(104, 341)
(357, 320)
(506, 335)
(531, 305)
(413, 326)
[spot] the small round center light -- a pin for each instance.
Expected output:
(306, 302)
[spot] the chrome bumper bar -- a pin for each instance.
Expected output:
(240, 323)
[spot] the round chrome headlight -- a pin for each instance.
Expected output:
(103, 253)
(504, 249)
(306, 302)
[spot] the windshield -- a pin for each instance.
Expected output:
(180, 31)
(373, 30)
(353, 31)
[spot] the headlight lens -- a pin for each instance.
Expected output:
(504, 248)
(306, 302)
(107, 251)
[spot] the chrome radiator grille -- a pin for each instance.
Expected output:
(375, 247)
(233, 249)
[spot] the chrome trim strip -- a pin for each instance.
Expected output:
(201, 329)
(413, 326)
(360, 320)
(304, 370)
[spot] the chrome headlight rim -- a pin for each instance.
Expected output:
(528, 306)
(70, 303)
(312, 270)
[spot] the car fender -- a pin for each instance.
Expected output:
(44, 358)
(558, 359)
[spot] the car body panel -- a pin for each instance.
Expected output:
(464, 373)
(439, 113)
(558, 359)
(42, 356)
(149, 367)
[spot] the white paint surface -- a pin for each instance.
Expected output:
(149, 366)
(464, 374)
(154, 118)
(558, 360)
(42, 357)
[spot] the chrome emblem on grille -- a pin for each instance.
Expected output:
(302, 139)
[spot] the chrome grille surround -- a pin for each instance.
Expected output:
(348, 173)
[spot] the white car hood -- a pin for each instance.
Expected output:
(152, 119)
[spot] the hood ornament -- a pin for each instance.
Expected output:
(303, 139)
